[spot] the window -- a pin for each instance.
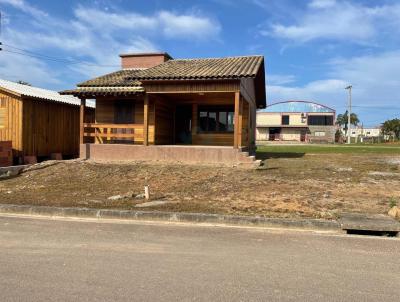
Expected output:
(216, 119)
(285, 119)
(124, 112)
(320, 120)
(319, 133)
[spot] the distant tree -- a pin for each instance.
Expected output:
(342, 120)
(392, 128)
(24, 83)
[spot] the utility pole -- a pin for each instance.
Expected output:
(349, 115)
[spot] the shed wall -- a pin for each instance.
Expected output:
(12, 130)
(50, 127)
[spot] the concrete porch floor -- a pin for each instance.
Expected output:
(167, 153)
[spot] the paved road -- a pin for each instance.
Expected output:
(56, 260)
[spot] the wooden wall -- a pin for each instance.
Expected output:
(169, 101)
(12, 131)
(162, 117)
(191, 86)
(105, 114)
(51, 127)
(164, 122)
(244, 124)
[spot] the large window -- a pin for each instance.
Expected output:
(216, 119)
(320, 120)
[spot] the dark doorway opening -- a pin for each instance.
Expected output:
(183, 124)
(274, 134)
(303, 135)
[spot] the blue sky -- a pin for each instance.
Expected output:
(313, 48)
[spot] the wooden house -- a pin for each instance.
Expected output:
(39, 122)
(189, 110)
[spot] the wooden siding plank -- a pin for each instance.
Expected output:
(12, 105)
(81, 120)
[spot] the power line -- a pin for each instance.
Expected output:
(32, 54)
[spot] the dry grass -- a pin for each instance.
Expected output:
(291, 185)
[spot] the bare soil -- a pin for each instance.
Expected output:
(291, 185)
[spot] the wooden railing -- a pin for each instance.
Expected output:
(109, 133)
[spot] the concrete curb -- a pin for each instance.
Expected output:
(308, 224)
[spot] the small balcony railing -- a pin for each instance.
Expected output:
(114, 133)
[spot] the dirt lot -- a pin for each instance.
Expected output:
(289, 185)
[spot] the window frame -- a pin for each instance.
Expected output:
(217, 109)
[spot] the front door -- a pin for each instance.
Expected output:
(183, 124)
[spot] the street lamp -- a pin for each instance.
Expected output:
(349, 115)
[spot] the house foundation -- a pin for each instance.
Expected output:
(167, 153)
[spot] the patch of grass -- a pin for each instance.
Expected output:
(300, 150)
(392, 202)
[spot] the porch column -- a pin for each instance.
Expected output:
(194, 119)
(146, 120)
(82, 120)
(236, 130)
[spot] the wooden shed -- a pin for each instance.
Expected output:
(40, 122)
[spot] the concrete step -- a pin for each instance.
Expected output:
(251, 164)
(354, 222)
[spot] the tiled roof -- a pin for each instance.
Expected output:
(39, 93)
(118, 78)
(219, 68)
(183, 69)
(103, 90)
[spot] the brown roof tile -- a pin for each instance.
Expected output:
(183, 69)
(218, 68)
(118, 78)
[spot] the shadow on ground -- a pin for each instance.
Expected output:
(267, 155)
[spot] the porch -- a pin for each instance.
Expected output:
(200, 119)
(179, 127)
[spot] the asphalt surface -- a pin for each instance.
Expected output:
(63, 260)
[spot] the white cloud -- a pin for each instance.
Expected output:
(337, 20)
(170, 24)
(33, 71)
(111, 21)
(25, 7)
(322, 3)
(91, 35)
(316, 90)
(188, 26)
(280, 79)
(374, 79)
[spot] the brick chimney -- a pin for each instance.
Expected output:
(143, 60)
